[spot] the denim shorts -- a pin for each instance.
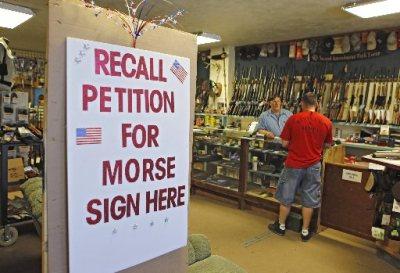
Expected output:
(306, 181)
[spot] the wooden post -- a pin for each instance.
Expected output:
(244, 170)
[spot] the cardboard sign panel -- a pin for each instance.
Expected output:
(15, 170)
(128, 155)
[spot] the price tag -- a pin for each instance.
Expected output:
(385, 220)
(385, 130)
(352, 176)
(378, 233)
(396, 206)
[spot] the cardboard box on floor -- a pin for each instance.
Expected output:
(15, 170)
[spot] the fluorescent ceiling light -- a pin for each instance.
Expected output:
(373, 8)
(207, 38)
(12, 15)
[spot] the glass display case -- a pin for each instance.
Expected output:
(216, 159)
(229, 163)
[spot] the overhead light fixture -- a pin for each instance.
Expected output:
(12, 16)
(207, 38)
(368, 9)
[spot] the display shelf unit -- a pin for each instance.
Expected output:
(276, 175)
(248, 193)
(219, 129)
(224, 115)
(7, 228)
(392, 250)
(224, 165)
(220, 145)
(367, 146)
(363, 125)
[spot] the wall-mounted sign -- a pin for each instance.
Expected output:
(128, 155)
(352, 176)
(346, 57)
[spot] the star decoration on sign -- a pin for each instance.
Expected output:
(152, 223)
(82, 53)
(166, 220)
(135, 226)
(114, 231)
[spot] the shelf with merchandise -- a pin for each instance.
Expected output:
(368, 146)
(217, 184)
(225, 115)
(233, 147)
(232, 177)
(226, 129)
(262, 173)
(219, 174)
(364, 125)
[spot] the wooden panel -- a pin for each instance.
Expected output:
(346, 206)
(69, 19)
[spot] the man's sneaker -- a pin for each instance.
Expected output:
(275, 228)
(306, 238)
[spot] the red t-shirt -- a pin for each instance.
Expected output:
(306, 132)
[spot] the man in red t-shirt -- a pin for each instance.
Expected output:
(305, 135)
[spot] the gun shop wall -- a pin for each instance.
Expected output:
(355, 75)
(356, 78)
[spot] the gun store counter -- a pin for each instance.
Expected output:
(245, 170)
(386, 227)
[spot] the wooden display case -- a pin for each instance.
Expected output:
(255, 188)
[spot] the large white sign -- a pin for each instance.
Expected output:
(128, 155)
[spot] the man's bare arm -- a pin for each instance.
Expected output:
(327, 145)
(267, 133)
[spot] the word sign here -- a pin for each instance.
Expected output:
(128, 155)
(352, 176)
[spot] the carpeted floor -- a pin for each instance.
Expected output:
(25, 255)
(241, 236)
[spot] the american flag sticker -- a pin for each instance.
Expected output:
(88, 136)
(179, 71)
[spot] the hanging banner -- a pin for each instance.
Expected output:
(128, 155)
(354, 56)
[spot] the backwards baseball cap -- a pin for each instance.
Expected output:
(391, 42)
(346, 44)
(264, 51)
(355, 41)
(327, 45)
(305, 47)
(381, 38)
(371, 41)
